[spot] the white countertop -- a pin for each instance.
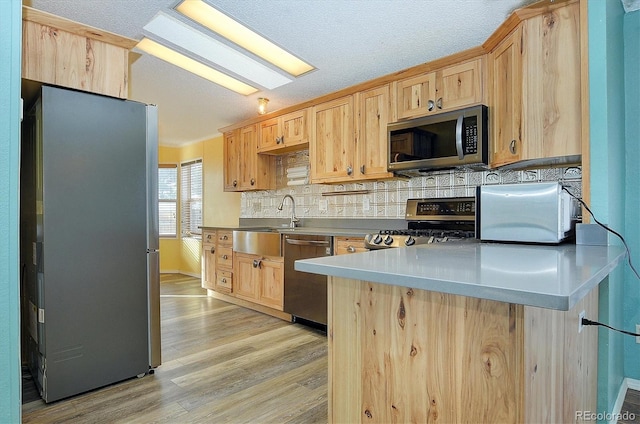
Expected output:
(552, 277)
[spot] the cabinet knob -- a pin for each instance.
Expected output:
(213, 250)
(349, 170)
(362, 169)
(235, 183)
(225, 257)
(224, 237)
(208, 236)
(439, 103)
(224, 281)
(430, 105)
(253, 181)
(351, 249)
(256, 263)
(512, 147)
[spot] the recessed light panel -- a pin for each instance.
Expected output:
(168, 55)
(232, 30)
(190, 39)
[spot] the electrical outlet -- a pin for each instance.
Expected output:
(637, 332)
(580, 326)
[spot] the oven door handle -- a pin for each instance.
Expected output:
(308, 242)
(459, 137)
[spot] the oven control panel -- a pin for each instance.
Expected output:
(458, 208)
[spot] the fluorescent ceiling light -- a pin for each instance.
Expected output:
(218, 22)
(194, 41)
(158, 50)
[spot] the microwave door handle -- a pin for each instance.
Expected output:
(459, 137)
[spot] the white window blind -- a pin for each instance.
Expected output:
(191, 198)
(168, 199)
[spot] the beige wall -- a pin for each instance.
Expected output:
(220, 208)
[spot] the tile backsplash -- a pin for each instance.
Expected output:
(383, 199)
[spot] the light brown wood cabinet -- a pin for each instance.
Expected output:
(372, 117)
(332, 151)
(506, 104)
(347, 245)
(260, 279)
(340, 154)
(61, 52)
(535, 98)
(208, 260)
(244, 169)
(449, 88)
(217, 260)
(285, 133)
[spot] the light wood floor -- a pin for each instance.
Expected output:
(221, 364)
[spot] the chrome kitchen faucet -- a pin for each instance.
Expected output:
(292, 224)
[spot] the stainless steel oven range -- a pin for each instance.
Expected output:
(430, 221)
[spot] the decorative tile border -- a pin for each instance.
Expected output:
(385, 199)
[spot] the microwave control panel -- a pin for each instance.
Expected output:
(470, 126)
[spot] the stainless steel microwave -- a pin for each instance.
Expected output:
(445, 140)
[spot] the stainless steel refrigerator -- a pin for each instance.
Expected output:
(89, 241)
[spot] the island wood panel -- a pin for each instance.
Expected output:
(403, 355)
(345, 350)
(58, 57)
(560, 363)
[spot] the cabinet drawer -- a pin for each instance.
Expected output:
(208, 237)
(224, 257)
(225, 237)
(224, 281)
(344, 245)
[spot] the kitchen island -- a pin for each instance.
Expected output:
(463, 332)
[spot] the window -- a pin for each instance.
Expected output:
(168, 199)
(191, 198)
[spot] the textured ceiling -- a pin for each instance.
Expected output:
(348, 41)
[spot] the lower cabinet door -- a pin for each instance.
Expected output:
(272, 283)
(247, 277)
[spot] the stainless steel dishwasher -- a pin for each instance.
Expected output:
(305, 294)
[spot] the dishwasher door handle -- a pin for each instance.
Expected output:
(308, 242)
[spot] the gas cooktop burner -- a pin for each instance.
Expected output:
(430, 221)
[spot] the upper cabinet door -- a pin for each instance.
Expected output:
(416, 96)
(295, 128)
(255, 172)
(505, 63)
(332, 152)
(460, 85)
(551, 81)
(372, 117)
(249, 156)
(269, 135)
(231, 153)
(284, 133)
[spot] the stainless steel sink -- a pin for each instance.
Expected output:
(263, 241)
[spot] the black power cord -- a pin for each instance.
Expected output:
(588, 321)
(608, 229)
